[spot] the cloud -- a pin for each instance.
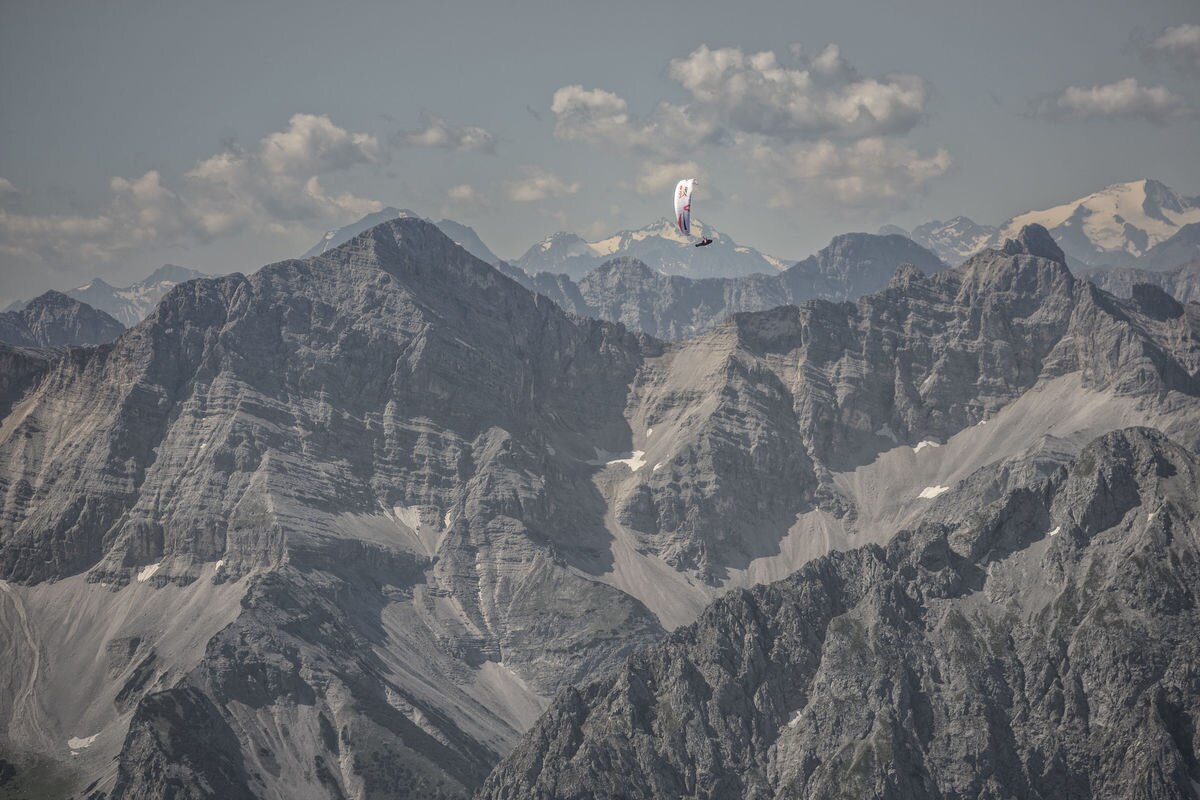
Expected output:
(312, 144)
(1177, 46)
(816, 124)
(600, 117)
(463, 193)
(464, 198)
(439, 133)
(539, 184)
(7, 188)
(824, 96)
(733, 92)
(869, 173)
(274, 187)
(592, 115)
(658, 177)
(279, 182)
(1124, 99)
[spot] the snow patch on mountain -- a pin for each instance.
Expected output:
(81, 742)
(635, 459)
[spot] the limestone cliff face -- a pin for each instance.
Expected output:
(1042, 647)
(386, 446)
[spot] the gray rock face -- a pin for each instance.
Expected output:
(1182, 248)
(180, 746)
(1042, 647)
(387, 447)
(854, 264)
(465, 237)
(20, 369)
(674, 306)
(55, 320)
(1182, 283)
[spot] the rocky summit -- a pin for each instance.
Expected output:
(346, 526)
(56, 320)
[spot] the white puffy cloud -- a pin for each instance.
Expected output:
(593, 115)
(1125, 99)
(277, 183)
(7, 188)
(656, 177)
(813, 126)
(273, 187)
(464, 198)
(822, 97)
(463, 193)
(539, 184)
(313, 144)
(600, 117)
(732, 92)
(1177, 46)
(869, 173)
(441, 134)
(140, 211)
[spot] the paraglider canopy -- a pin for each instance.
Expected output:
(683, 205)
(683, 209)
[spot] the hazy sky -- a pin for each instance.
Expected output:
(226, 135)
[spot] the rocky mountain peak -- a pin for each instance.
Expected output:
(55, 320)
(1155, 302)
(1160, 198)
(905, 275)
(1034, 240)
(414, 248)
(173, 273)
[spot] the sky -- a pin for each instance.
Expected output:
(226, 135)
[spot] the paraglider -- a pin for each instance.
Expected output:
(683, 210)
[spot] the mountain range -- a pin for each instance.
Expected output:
(981, 655)
(659, 246)
(628, 291)
(344, 527)
(1141, 224)
(1182, 282)
(128, 304)
(56, 320)
(462, 235)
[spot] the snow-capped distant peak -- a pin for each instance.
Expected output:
(660, 245)
(1115, 224)
(956, 239)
